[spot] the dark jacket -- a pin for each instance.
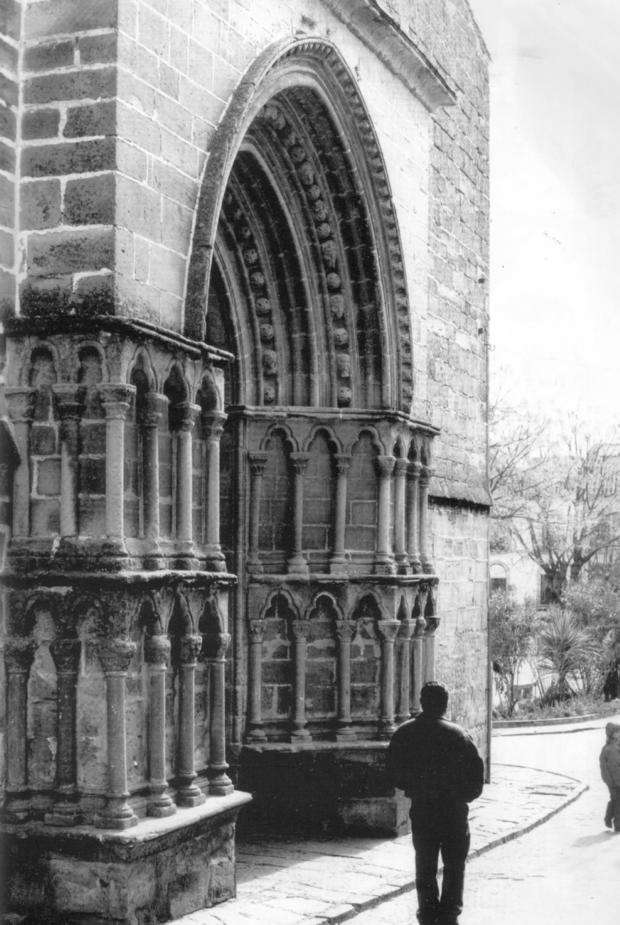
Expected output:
(435, 761)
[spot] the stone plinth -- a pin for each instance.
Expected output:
(321, 787)
(160, 870)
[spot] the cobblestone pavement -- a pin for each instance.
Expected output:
(312, 882)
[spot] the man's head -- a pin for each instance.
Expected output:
(434, 699)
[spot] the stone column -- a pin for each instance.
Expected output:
(296, 564)
(300, 629)
(116, 405)
(257, 463)
(418, 663)
(69, 413)
(188, 792)
(256, 733)
(344, 634)
(157, 653)
(213, 430)
(343, 464)
(115, 656)
(413, 517)
(152, 415)
(66, 655)
(18, 656)
(19, 403)
(219, 781)
(400, 483)
(384, 562)
(184, 488)
(404, 696)
(427, 566)
(429, 648)
(388, 630)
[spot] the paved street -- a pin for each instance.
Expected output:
(325, 881)
(566, 871)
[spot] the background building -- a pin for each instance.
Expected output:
(244, 290)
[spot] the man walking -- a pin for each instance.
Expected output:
(438, 766)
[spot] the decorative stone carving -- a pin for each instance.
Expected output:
(300, 630)
(188, 792)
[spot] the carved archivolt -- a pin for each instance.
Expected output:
(299, 119)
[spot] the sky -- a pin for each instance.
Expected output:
(555, 205)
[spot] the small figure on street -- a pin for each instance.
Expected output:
(438, 766)
(610, 772)
(612, 682)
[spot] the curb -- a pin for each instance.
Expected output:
(357, 908)
(550, 721)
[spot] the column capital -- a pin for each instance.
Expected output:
(213, 424)
(432, 625)
(343, 462)
(185, 415)
(20, 404)
(415, 468)
(257, 462)
(67, 400)
(66, 655)
(406, 629)
(386, 464)
(115, 655)
(300, 628)
(256, 628)
(18, 654)
(155, 406)
(420, 626)
(388, 629)
(425, 474)
(401, 466)
(117, 393)
(300, 461)
(345, 629)
(188, 649)
(157, 650)
(223, 643)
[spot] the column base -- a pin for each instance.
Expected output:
(256, 735)
(297, 566)
(338, 565)
(221, 785)
(385, 565)
(402, 564)
(415, 566)
(215, 560)
(387, 730)
(300, 734)
(160, 805)
(16, 807)
(190, 795)
(64, 813)
(345, 734)
(427, 567)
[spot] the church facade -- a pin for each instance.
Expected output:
(244, 508)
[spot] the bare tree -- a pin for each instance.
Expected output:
(557, 501)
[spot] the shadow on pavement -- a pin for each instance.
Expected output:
(592, 839)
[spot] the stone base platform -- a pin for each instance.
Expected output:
(157, 871)
(320, 788)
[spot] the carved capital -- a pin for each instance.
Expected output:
(188, 649)
(213, 425)
(66, 655)
(155, 406)
(425, 474)
(300, 628)
(388, 629)
(256, 629)
(406, 629)
(414, 470)
(400, 467)
(157, 650)
(18, 655)
(344, 629)
(420, 626)
(185, 416)
(385, 465)
(343, 463)
(115, 655)
(20, 404)
(221, 647)
(432, 625)
(257, 462)
(300, 461)
(116, 400)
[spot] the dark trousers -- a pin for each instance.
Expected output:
(613, 809)
(448, 836)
